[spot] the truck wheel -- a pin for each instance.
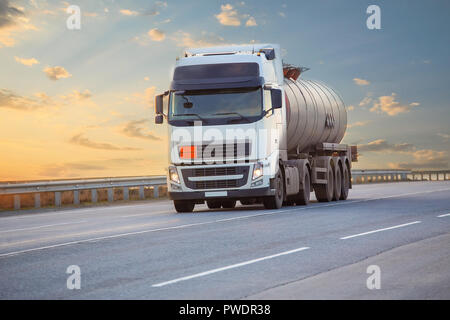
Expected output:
(228, 204)
(213, 204)
(183, 205)
(324, 192)
(345, 183)
(276, 201)
(337, 184)
(303, 196)
(247, 202)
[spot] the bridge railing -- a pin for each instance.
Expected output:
(88, 190)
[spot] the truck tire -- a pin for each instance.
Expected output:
(214, 204)
(325, 192)
(228, 204)
(247, 202)
(183, 206)
(302, 198)
(276, 201)
(337, 184)
(345, 183)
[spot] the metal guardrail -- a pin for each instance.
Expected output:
(372, 176)
(155, 182)
(59, 186)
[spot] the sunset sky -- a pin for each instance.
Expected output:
(79, 103)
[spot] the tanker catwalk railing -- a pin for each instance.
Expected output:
(145, 187)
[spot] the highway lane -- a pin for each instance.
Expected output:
(146, 251)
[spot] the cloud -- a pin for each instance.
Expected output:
(251, 22)
(426, 159)
(420, 159)
(78, 95)
(12, 22)
(147, 97)
(153, 11)
(11, 100)
(228, 16)
(8, 14)
(133, 129)
(361, 82)
(80, 140)
(127, 12)
(90, 14)
(156, 34)
(382, 145)
(388, 105)
(444, 136)
(40, 100)
(68, 169)
(56, 73)
(26, 62)
(185, 39)
(358, 124)
(366, 100)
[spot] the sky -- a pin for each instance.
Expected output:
(79, 102)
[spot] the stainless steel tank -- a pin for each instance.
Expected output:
(315, 113)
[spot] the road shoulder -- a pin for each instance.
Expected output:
(420, 270)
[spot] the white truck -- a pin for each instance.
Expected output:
(244, 127)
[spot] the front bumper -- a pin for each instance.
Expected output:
(230, 194)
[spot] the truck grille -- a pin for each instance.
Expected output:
(219, 183)
(207, 172)
(223, 153)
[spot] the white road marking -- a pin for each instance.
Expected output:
(444, 215)
(216, 221)
(237, 265)
(378, 230)
(40, 227)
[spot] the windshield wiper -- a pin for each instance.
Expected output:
(189, 114)
(236, 113)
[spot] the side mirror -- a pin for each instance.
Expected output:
(159, 100)
(277, 101)
(159, 119)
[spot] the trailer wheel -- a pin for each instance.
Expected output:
(276, 201)
(228, 204)
(247, 202)
(324, 192)
(345, 183)
(184, 205)
(214, 204)
(337, 184)
(302, 198)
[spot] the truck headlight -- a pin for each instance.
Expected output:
(173, 175)
(257, 170)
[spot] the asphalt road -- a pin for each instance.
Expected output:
(322, 251)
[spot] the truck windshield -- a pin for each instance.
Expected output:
(217, 106)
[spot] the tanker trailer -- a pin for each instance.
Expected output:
(244, 127)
